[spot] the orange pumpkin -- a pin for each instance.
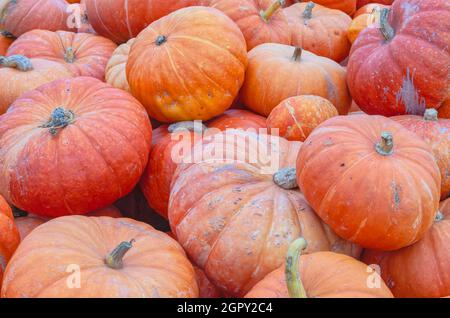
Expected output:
(98, 257)
(115, 74)
(83, 54)
(436, 133)
(444, 110)
(81, 140)
(5, 42)
(261, 21)
(320, 30)
(347, 6)
(371, 180)
(363, 18)
(18, 75)
(419, 270)
(319, 275)
(362, 3)
(276, 72)
(188, 65)
(296, 117)
(205, 287)
(239, 216)
(369, 8)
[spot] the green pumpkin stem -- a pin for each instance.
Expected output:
(19, 62)
(386, 146)
(431, 114)
(286, 178)
(307, 14)
(292, 272)
(69, 56)
(386, 29)
(297, 54)
(59, 119)
(115, 259)
(267, 14)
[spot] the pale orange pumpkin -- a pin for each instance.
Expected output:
(115, 73)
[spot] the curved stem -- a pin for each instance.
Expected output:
(267, 14)
(386, 146)
(19, 62)
(286, 178)
(431, 114)
(69, 56)
(307, 14)
(292, 270)
(192, 126)
(59, 119)
(386, 29)
(439, 217)
(297, 54)
(115, 259)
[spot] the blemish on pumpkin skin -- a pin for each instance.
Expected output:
(409, 96)
(396, 195)
(328, 142)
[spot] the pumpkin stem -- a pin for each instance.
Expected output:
(7, 34)
(160, 40)
(439, 217)
(115, 259)
(192, 126)
(386, 146)
(385, 27)
(297, 54)
(292, 272)
(267, 14)
(307, 14)
(286, 178)
(69, 56)
(431, 114)
(18, 213)
(18, 62)
(60, 118)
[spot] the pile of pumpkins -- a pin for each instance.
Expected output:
(352, 97)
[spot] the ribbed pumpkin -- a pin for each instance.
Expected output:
(83, 54)
(9, 235)
(276, 72)
(420, 270)
(347, 6)
(436, 133)
(320, 30)
(319, 275)
(5, 42)
(18, 75)
(409, 56)
(236, 220)
(188, 65)
(78, 256)
(371, 180)
(296, 117)
(116, 74)
(261, 21)
(81, 140)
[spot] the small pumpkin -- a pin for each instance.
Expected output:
(319, 275)
(117, 258)
(296, 117)
(5, 42)
(116, 68)
(319, 30)
(371, 180)
(419, 270)
(361, 22)
(347, 6)
(276, 72)
(83, 141)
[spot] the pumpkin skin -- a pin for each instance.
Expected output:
(436, 133)
(296, 117)
(218, 219)
(419, 270)
(369, 8)
(273, 74)
(319, 30)
(257, 29)
(444, 110)
(205, 287)
(204, 79)
(238, 119)
(155, 265)
(404, 177)
(83, 54)
(362, 3)
(116, 74)
(121, 20)
(409, 72)
(5, 42)
(84, 141)
(358, 24)
(347, 6)
(18, 75)
(19, 17)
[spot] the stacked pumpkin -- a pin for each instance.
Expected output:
(114, 131)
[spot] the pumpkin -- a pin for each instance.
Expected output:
(358, 24)
(117, 258)
(347, 6)
(83, 54)
(444, 110)
(205, 287)
(116, 68)
(121, 20)
(436, 133)
(276, 72)
(320, 30)
(18, 75)
(178, 138)
(188, 65)
(369, 8)
(237, 219)
(261, 21)
(362, 3)
(296, 117)
(5, 42)
(419, 270)
(83, 141)
(319, 275)
(18, 17)
(409, 54)
(371, 180)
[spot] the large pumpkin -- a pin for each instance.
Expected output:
(320, 275)
(83, 54)
(188, 65)
(20, 16)
(276, 72)
(261, 21)
(320, 30)
(18, 75)
(420, 270)
(78, 256)
(9, 235)
(347, 6)
(371, 180)
(5, 42)
(121, 20)
(409, 56)
(436, 133)
(236, 211)
(81, 140)
(115, 73)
